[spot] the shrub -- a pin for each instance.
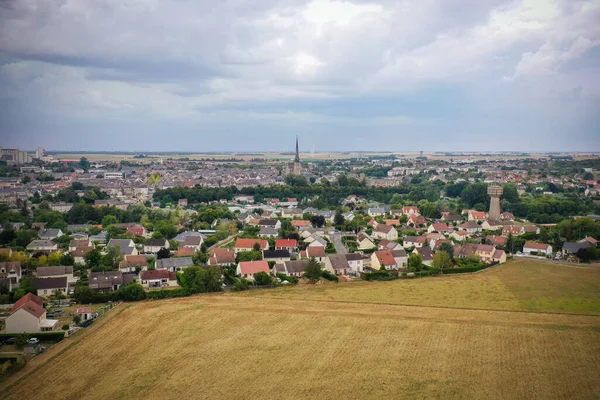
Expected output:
(65, 327)
(240, 284)
(290, 279)
(262, 279)
(168, 294)
(329, 276)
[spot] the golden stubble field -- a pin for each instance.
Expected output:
(241, 346)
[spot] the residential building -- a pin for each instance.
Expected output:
(58, 271)
(316, 252)
(28, 315)
(278, 256)
(11, 271)
(153, 246)
(50, 234)
(290, 245)
(220, 256)
(108, 281)
(383, 258)
(337, 264)
(533, 247)
(50, 286)
(174, 264)
(249, 269)
(130, 264)
(364, 241)
(356, 263)
(126, 246)
(158, 279)
(42, 245)
(248, 244)
(385, 232)
(294, 267)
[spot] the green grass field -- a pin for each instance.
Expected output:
(522, 285)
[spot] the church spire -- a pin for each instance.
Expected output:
(297, 159)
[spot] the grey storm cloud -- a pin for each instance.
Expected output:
(248, 75)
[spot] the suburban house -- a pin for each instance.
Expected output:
(294, 267)
(376, 212)
(507, 216)
(137, 230)
(356, 262)
(267, 231)
(383, 258)
(460, 235)
(413, 241)
(248, 269)
(440, 227)
(315, 241)
(79, 254)
(130, 264)
(290, 245)
(485, 252)
(270, 223)
(533, 247)
(416, 220)
(28, 315)
(126, 246)
(531, 229)
(337, 264)
(49, 286)
(513, 230)
(153, 246)
(78, 243)
(316, 252)
(58, 271)
(42, 245)
(157, 279)
(385, 232)
(108, 281)
(248, 244)
(192, 242)
(497, 240)
(477, 215)
(401, 258)
(278, 256)
(410, 210)
(471, 227)
(220, 256)
(571, 248)
(300, 223)
(364, 242)
(11, 271)
(492, 225)
(50, 234)
(499, 256)
(184, 252)
(174, 264)
(425, 253)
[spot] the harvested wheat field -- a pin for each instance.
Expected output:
(521, 285)
(240, 346)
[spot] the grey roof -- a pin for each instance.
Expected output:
(184, 235)
(276, 254)
(573, 248)
(338, 261)
(78, 227)
(49, 283)
(156, 242)
(180, 262)
(353, 257)
(399, 253)
(52, 233)
(40, 243)
(296, 266)
(267, 230)
(54, 270)
(105, 280)
(267, 222)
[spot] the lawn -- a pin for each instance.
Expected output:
(522, 285)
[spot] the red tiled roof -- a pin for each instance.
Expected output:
(385, 257)
(185, 252)
(253, 267)
(222, 256)
(154, 274)
(286, 243)
(28, 297)
(534, 245)
(300, 223)
(315, 251)
(249, 243)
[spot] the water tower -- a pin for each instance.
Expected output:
(495, 192)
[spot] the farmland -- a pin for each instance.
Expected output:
(314, 343)
(523, 285)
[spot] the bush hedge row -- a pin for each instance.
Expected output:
(43, 336)
(329, 276)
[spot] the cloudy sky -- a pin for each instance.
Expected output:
(198, 75)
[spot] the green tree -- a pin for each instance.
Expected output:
(312, 271)
(448, 248)
(93, 258)
(109, 220)
(76, 319)
(113, 257)
(262, 278)
(338, 220)
(131, 292)
(203, 280)
(84, 164)
(415, 262)
(441, 260)
(166, 228)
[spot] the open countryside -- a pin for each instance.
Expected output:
(342, 341)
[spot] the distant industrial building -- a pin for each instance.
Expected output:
(14, 156)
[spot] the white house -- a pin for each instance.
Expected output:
(158, 278)
(28, 315)
(533, 247)
(248, 269)
(153, 246)
(385, 232)
(356, 263)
